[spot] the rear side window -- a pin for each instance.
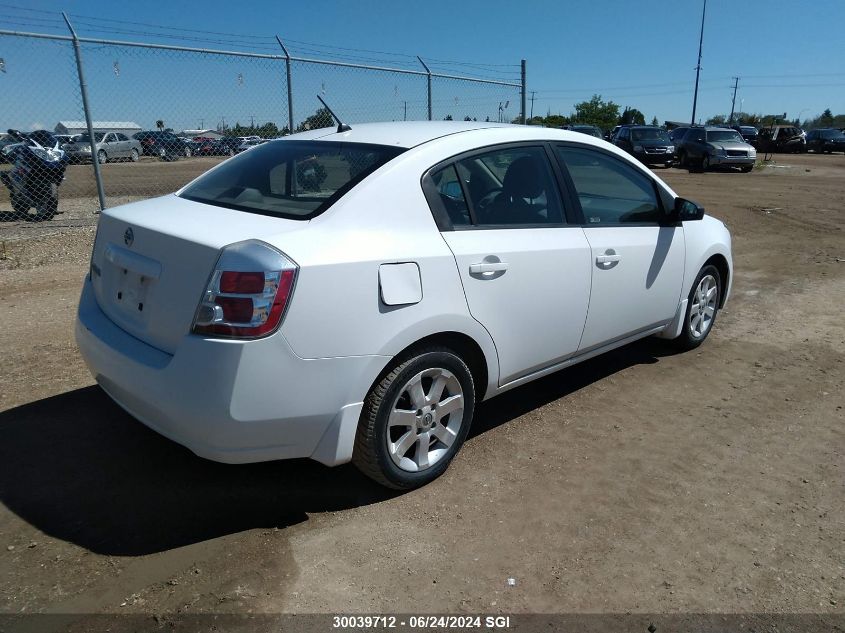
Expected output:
(290, 179)
(610, 192)
(451, 196)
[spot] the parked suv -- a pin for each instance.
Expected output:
(106, 146)
(592, 130)
(704, 147)
(782, 138)
(647, 143)
(163, 144)
(748, 132)
(826, 140)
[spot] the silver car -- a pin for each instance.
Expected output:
(108, 146)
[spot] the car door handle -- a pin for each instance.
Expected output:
(487, 267)
(610, 259)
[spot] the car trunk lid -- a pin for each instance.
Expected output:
(152, 261)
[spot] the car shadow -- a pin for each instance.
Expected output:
(77, 467)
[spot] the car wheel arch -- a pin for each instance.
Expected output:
(465, 346)
(721, 263)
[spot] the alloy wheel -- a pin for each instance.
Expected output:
(425, 419)
(703, 307)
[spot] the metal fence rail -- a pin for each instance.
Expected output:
(116, 92)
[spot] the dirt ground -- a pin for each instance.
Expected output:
(640, 481)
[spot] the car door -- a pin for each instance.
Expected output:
(108, 145)
(623, 139)
(125, 145)
(525, 271)
(637, 259)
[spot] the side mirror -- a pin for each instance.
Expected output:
(686, 210)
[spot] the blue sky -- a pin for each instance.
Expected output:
(642, 53)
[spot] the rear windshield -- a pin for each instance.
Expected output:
(87, 139)
(289, 179)
(832, 134)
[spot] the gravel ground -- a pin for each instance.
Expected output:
(643, 481)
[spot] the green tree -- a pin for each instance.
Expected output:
(160, 124)
(448, 117)
(654, 121)
(556, 120)
(604, 114)
(718, 119)
(320, 119)
(632, 116)
(826, 119)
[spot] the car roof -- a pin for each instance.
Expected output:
(405, 134)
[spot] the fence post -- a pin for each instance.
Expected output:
(84, 90)
(428, 77)
(290, 89)
(523, 96)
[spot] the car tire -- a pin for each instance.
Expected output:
(230, 152)
(47, 209)
(18, 204)
(702, 308)
(134, 156)
(187, 152)
(102, 157)
(746, 169)
(682, 159)
(404, 411)
(705, 163)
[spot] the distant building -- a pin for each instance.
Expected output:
(203, 133)
(79, 127)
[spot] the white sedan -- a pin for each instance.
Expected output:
(350, 295)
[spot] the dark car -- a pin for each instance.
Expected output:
(782, 138)
(703, 147)
(226, 146)
(825, 141)
(648, 143)
(676, 134)
(750, 133)
(163, 144)
(592, 130)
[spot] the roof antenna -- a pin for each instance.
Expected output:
(341, 127)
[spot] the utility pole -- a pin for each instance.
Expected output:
(405, 117)
(252, 121)
(733, 101)
(698, 67)
(533, 92)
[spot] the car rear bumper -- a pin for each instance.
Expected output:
(230, 401)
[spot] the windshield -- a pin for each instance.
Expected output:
(649, 134)
(289, 179)
(724, 135)
(84, 138)
(833, 134)
(587, 129)
(748, 130)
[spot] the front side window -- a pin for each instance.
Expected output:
(511, 186)
(289, 179)
(610, 192)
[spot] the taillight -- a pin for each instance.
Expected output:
(248, 292)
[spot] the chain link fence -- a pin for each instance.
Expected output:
(162, 115)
